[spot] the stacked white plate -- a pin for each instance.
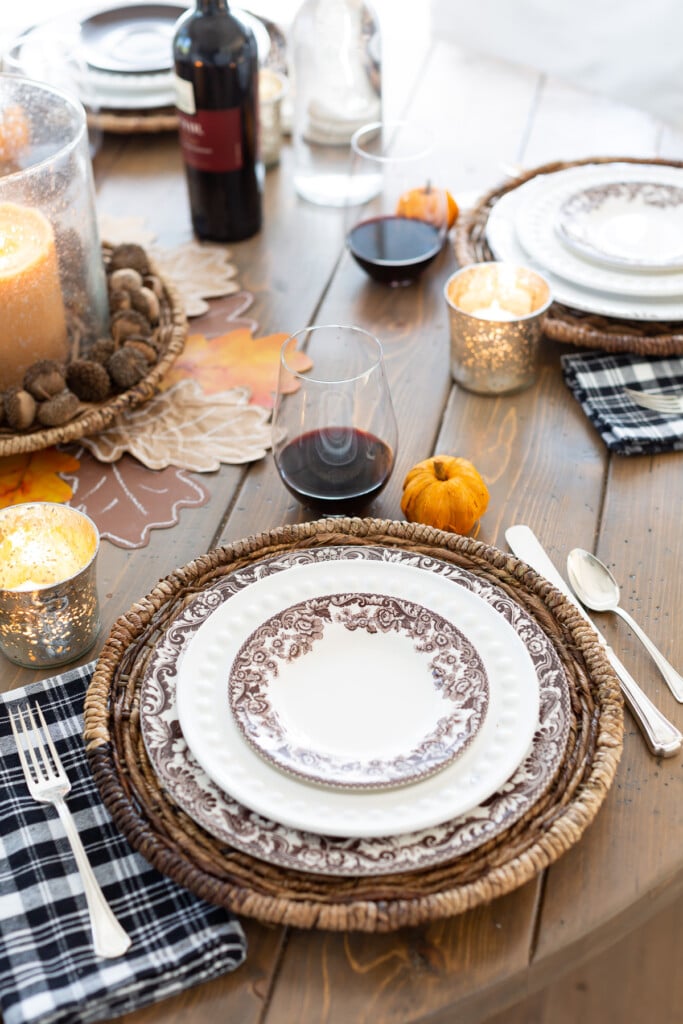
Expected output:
(354, 711)
(125, 54)
(608, 237)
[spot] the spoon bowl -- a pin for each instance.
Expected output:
(597, 589)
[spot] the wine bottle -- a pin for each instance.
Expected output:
(216, 84)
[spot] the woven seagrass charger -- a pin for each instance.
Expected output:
(585, 330)
(95, 416)
(176, 845)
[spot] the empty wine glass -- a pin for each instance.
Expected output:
(334, 428)
(399, 223)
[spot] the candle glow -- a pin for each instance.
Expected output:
(49, 611)
(496, 313)
(33, 321)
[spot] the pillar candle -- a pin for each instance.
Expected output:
(32, 317)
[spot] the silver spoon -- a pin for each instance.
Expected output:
(596, 587)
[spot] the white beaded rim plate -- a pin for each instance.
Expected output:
(633, 224)
(233, 823)
(503, 240)
(214, 738)
(537, 216)
(358, 690)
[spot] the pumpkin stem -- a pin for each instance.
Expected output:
(428, 187)
(440, 471)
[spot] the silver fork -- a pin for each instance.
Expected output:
(48, 783)
(671, 403)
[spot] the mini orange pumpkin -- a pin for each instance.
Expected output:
(427, 204)
(445, 492)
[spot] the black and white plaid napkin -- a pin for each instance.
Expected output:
(48, 970)
(597, 381)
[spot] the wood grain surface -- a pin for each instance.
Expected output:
(545, 466)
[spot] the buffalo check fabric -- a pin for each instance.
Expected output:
(48, 969)
(597, 380)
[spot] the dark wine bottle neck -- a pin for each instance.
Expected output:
(212, 6)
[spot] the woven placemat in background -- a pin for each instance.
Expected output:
(176, 845)
(586, 330)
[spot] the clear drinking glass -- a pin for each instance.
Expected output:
(398, 223)
(334, 428)
(52, 52)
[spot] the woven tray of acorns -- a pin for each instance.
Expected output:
(62, 402)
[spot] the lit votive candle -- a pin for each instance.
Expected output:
(496, 315)
(49, 611)
(32, 317)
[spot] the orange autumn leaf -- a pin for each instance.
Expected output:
(236, 359)
(34, 477)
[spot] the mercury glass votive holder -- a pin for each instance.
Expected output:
(53, 291)
(49, 609)
(496, 313)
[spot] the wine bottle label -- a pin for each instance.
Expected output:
(211, 140)
(184, 95)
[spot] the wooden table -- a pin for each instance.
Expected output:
(545, 465)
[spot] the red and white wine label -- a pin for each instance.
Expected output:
(211, 140)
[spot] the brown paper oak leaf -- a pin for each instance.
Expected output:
(128, 501)
(34, 477)
(237, 359)
(186, 428)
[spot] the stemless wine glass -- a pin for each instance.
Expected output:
(398, 223)
(334, 428)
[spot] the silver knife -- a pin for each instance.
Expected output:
(661, 736)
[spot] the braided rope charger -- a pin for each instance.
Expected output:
(176, 845)
(585, 330)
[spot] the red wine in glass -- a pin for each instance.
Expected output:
(394, 250)
(335, 469)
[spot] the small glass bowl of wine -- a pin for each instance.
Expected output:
(401, 228)
(334, 428)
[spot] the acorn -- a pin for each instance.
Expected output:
(44, 379)
(119, 299)
(58, 410)
(153, 282)
(127, 367)
(127, 279)
(145, 301)
(145, 347)
(88, 380)
(20, 408)
(101, 350)
(129, 255)
(129, 322)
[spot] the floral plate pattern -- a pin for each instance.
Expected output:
(305, 695)
(245, 830)
(632, 224)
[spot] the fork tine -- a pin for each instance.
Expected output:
(34, 744)
(658, 402)
(46, 732)
(34, 741)
(20, 750)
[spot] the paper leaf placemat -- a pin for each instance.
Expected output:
(126, 501)
(34, 476)
(187, 428)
